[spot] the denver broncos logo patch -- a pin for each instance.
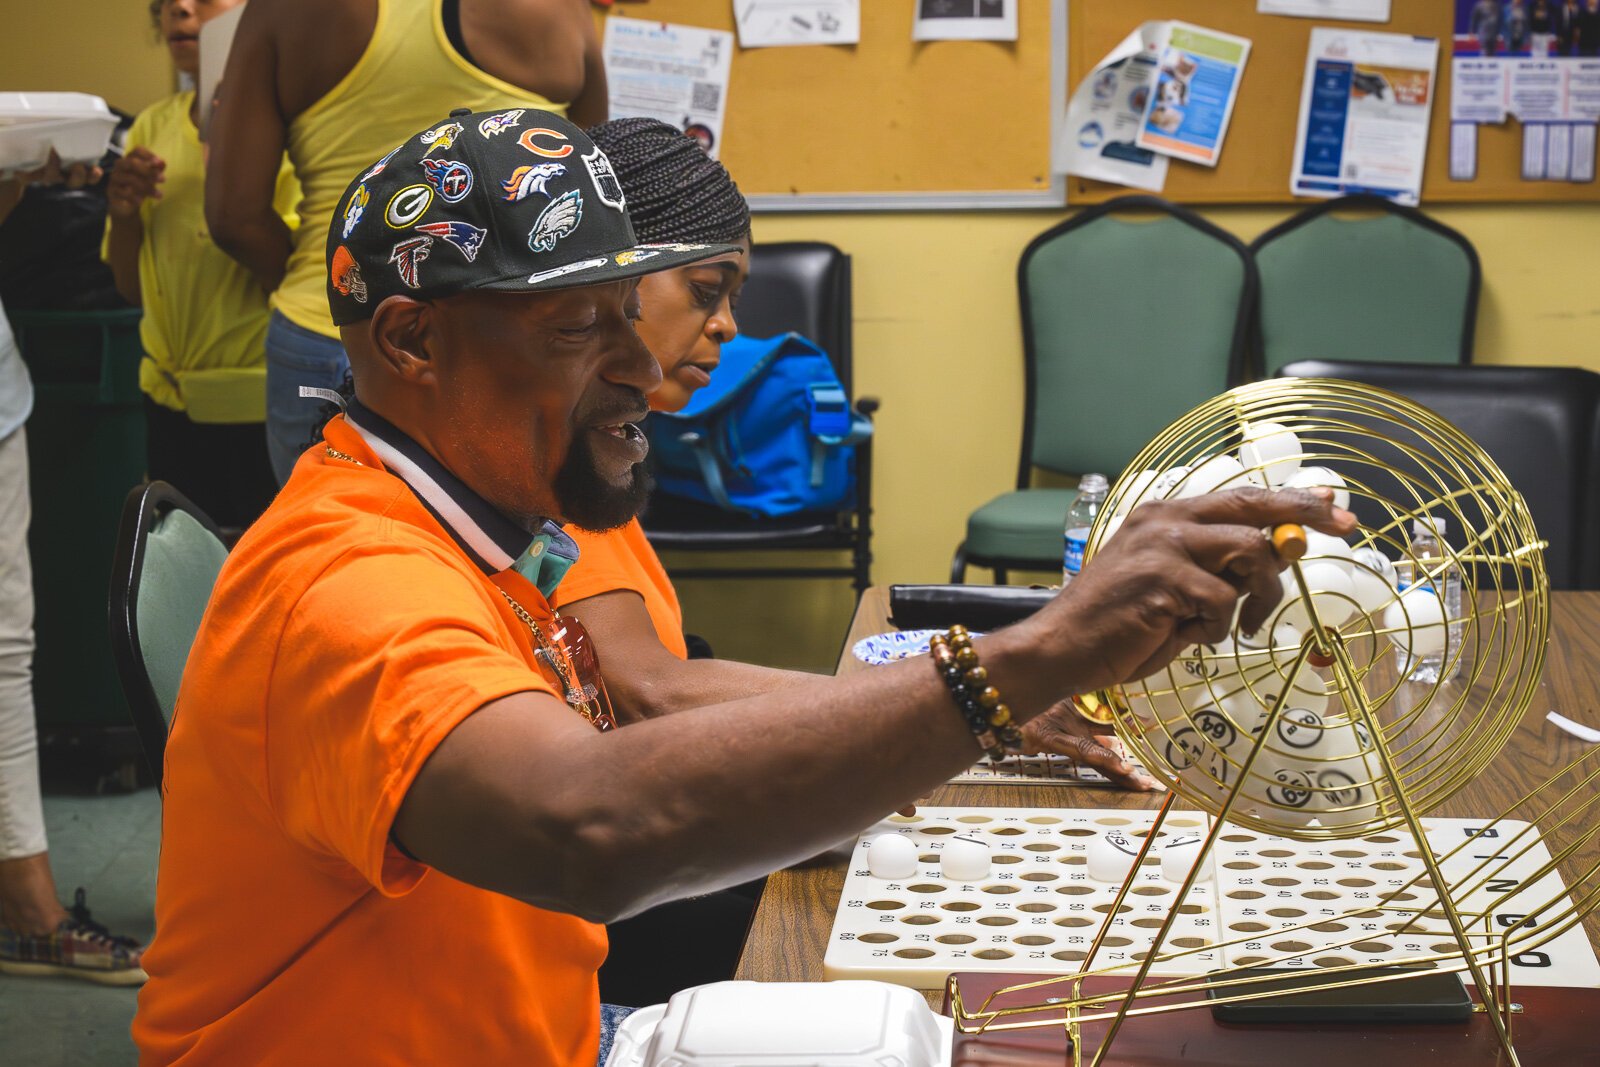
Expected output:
(525, 181)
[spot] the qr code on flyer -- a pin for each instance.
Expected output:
(705, 96)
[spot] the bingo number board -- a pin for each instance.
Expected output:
(1038, 909)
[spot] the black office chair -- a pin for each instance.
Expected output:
(167, 558)
(1541, 425)
(803, 286)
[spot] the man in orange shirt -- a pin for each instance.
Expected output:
(388, 837)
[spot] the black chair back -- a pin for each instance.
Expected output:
(803, 287)
(1541, 425)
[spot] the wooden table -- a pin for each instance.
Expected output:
(791, 926)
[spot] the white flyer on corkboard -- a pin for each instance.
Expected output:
(678, 74)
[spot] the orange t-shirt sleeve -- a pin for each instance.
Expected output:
(388, 651)
(622, 559)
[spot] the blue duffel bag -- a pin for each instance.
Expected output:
(772, 435)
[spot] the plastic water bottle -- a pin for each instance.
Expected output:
(1092, 491)
(1427, 545)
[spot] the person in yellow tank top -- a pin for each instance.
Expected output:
(205, 318)
(364, 75)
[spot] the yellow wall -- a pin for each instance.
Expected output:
(104, 47)
(938, 339)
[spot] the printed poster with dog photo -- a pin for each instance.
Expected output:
(1197, 83)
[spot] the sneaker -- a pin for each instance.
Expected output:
(78, 948)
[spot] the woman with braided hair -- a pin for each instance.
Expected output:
(618, 588)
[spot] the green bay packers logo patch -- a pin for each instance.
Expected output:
(407, 206)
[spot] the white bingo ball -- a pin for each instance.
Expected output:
(1415, 622)
(1373, 575)
(891, 857)
(1166, 483)
(1249, 705)
(1331, 591)
(1325, 548)
(1111, 855)
(1138, 492)
(964, 859)
(1320, 478)
(1177, 859)
(1211, 474)
(1113, 524)
(1273, 448)
(1334, 758)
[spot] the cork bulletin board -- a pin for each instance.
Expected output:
(1259, 150)
(890, 123)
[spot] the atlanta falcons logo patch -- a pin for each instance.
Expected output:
(559, 218)
(408, 256)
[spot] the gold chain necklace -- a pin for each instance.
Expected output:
(596, 712)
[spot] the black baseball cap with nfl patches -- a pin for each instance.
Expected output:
(517, 200)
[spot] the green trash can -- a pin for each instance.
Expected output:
(85, 451)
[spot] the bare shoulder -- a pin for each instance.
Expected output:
(536, 44)
(315, 42)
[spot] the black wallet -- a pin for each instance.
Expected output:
(978, 607)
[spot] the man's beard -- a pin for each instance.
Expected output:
(590, 502)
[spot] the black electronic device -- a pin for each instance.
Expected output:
(1422, 997)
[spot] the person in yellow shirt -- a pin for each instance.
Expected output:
(205, 318)
(339, 83)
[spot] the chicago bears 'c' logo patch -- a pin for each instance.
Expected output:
(355, 209)
(605, 181)
(346, 275)
(408, 256)
(407, 206)
(531, 179)
(441, 137)
(451, 180)
(498, 124)
(558, 219)
(530, 140)
(466, 237)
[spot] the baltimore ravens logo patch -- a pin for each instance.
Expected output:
(407, 206)
(408, 256)
(605, 181)
(558, 219)
(346, 275)
(450, 179)
(532, 179)
(498, 124)
(466, 237)
(441, 137)
(355, 209)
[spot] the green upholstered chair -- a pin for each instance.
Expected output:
(1362, 278)
(168, 556)
(1133, 312)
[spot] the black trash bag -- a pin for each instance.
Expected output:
(50, 245)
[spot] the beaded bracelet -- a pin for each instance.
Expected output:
(987, 716)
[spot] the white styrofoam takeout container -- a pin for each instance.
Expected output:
(76, 125)
(786, 1024)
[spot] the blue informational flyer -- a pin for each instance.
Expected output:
(1364, 113)
(1187, 115)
